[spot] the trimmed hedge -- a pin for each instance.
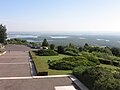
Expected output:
(103, 61)
(47, 53)
(108, 62)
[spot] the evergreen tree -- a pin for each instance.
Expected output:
(52, 46)
(60, 49)
(45, 43)
(71, 45)
(3, 34)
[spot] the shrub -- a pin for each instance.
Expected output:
(46, 53)
(60, 49)
(97, 78)
(103, 61)
(70, 62)
(91, 57)
(77, 71)
(116, 63)
(71, 51)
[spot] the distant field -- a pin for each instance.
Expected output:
(41, 64)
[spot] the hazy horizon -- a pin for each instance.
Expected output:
(65, 33)
(62, 16)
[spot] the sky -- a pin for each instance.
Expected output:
(74, 16)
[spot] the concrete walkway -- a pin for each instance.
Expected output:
(15, 62)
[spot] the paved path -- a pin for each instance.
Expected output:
(15, 62)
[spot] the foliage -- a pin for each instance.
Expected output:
(77, 71)
(17, 41)
(34, 45)
(97, 78)
(44, 52)
(105, 58)
(115, 51)
(52, 46)
(71, 51)
(45, 43)
(91, 57)
(60, 49)
(117, 74)
(3, 34)
(71, 45)
(70, 62)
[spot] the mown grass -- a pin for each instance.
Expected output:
(42, 65)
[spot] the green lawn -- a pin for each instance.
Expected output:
(41, 64)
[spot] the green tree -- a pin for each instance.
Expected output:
(60, 49)
(3, 34)
(115, 51)
(86, 45)
(45, 43)
(52, 46)
(71, 45)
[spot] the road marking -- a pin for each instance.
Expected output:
(9, 78)
(64, 88)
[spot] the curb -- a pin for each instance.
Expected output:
(52, 76)
(78, 83)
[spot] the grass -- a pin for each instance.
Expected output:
(41, 64)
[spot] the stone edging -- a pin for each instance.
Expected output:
(78, 83)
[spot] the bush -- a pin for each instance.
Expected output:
(106, 83)
(42, 73)
(103, 61)
(47, 53)
(91, 57)
(71, 51)
(70, 62)
(17, 41)
(116, 63)
(60, 49)
(77, 71)
(97, 78)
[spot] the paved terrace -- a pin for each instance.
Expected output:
(15, 62)
(15, 73)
